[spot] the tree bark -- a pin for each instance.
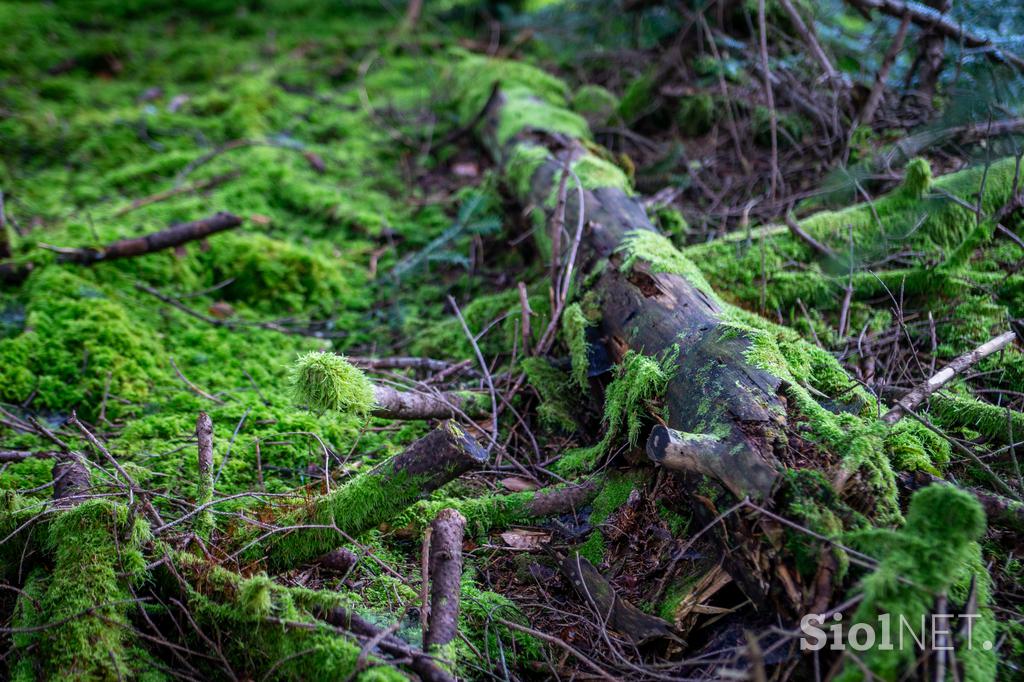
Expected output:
(445, 578)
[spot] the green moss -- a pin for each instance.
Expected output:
(639, 98)
(596, 104)
(935, 553)
(696, 114)
(559, 400)
(97, 557)
(614, 493)
(325, 381)
(254, 608)
(522, 110)
(638, 381)
(918, 178)
(574, 331)
(522, 163)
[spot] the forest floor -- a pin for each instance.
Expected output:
(377, 219)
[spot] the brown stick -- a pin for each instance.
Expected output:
(808, 37)
(944, 26)
(176, 235)
(822, 250)
(875, 98)
(204, 436)
(422, 664)
(371, 498)
(395, 404)
(22, 455)
(445, 578)
(70, 477)
(917, 396)
(339, 560)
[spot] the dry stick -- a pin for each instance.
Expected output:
(428, 364)
(769, 95)
(422, 664)
(867, 114)
(484, 369)
(822, 250)
(395, 404)
(1000, 483)
(195, 389)
(209, 183)
(930, 19)
(425, 581)
(601, 672)
(204, 435)
(944, 376)
(812, 42)
(176, 235)
(445, 578)
(22, 455)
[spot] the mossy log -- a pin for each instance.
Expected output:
(373, 497)
(748, 408)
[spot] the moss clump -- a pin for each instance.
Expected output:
(596, 104)
(574, 331)
(614, 493)
(639, 380)
(329, 382)
(258, 612)
(935, 553)
(97, 557)
(639, 99)
(559, 400)
(918, 178)
(696, 114)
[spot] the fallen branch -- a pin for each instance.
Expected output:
(917, 396)
(371, 498)
(445, 578)
(928, 18)
(395, 404)
(176, 235)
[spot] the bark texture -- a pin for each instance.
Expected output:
(445, 578)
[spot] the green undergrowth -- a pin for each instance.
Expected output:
(87, 597)
(936, 553)
(614, 493)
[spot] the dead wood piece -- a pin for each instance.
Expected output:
(622, 616)
(560, 500)
(427, 464)
(176, 235)
(339, 560)
(22, 455)
(427, 364)
(710, 456)
(445, 578)
(70, 477)
(204, 436)
(917, 396)
(928, 18)
(395, 404)
(422, 664)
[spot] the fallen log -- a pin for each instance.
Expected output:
(749, 409)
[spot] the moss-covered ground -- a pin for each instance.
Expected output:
(339, 138)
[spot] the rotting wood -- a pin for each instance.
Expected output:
(445, 578)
